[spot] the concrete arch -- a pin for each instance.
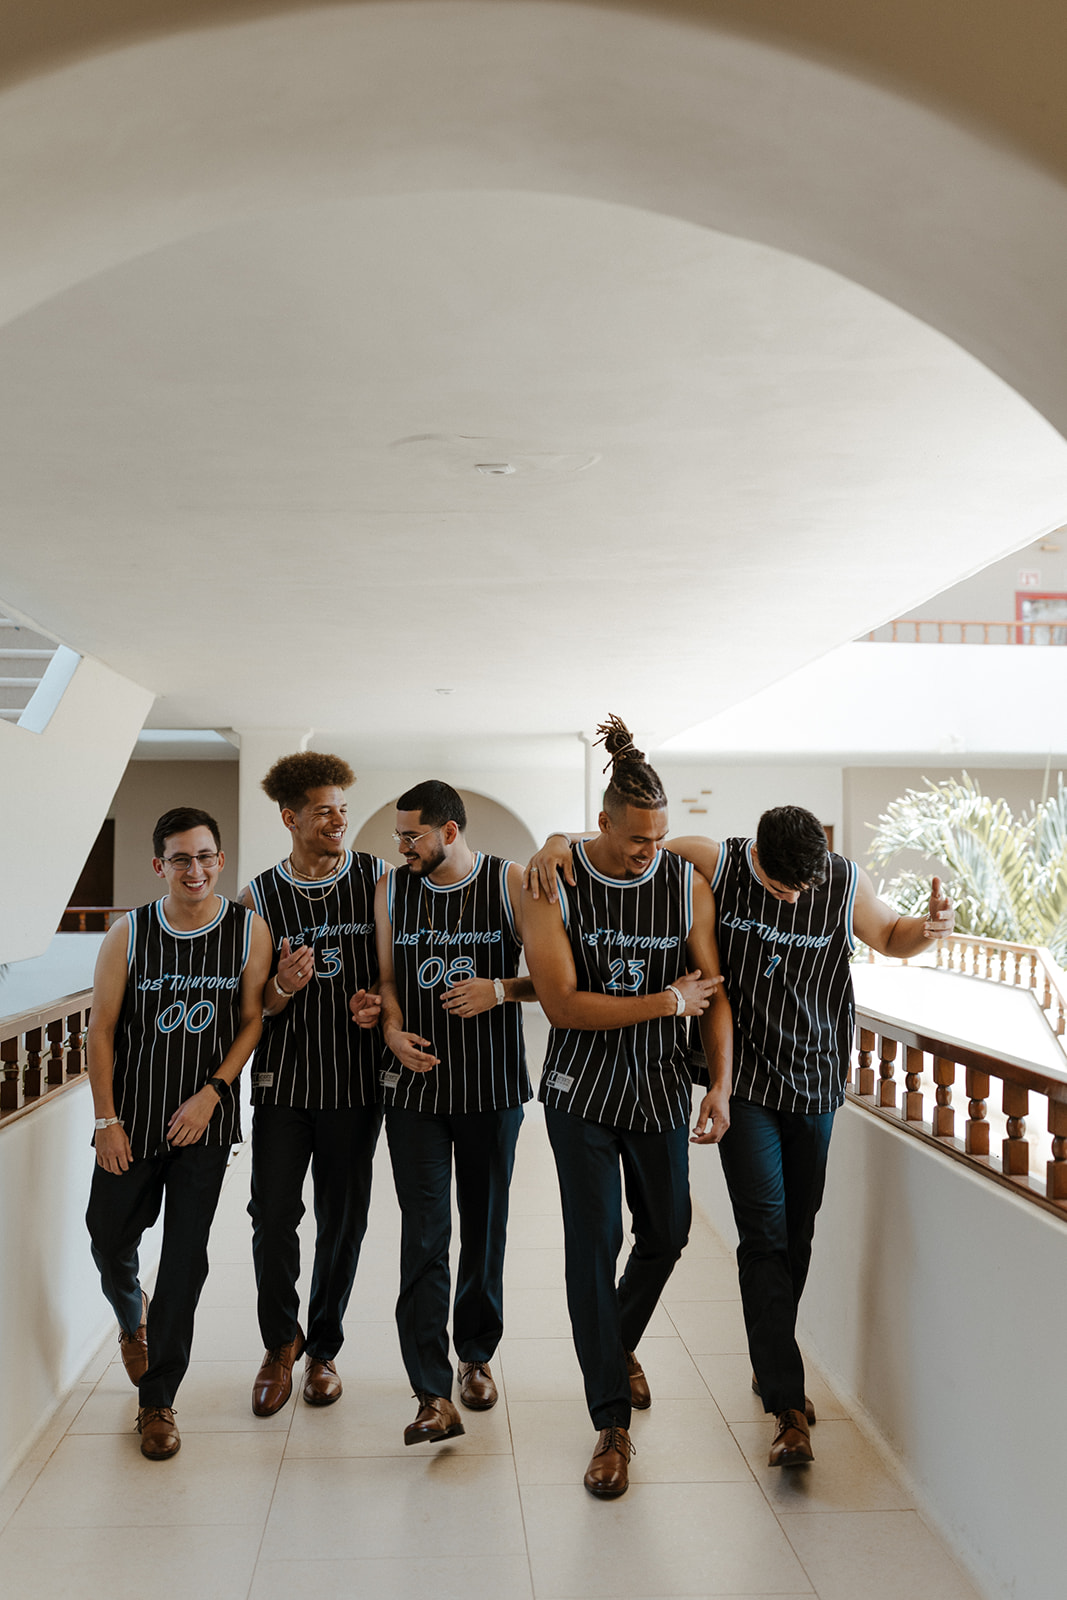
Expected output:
(134, 148)
(491, 826)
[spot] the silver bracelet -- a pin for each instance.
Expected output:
(679, 1000)
(287, 994)
(498, 989)
(107, 1122)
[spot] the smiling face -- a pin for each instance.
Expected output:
(423, 848)
(319, 827)
(630, 839)
(190, 865)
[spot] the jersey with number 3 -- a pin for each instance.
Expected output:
(312, 1055)
(628, 937)
(443, 934)
(788, 981)
(180, 1014)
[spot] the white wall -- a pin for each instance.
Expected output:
(936, 1306)
(55, 789)
(741, 793)
(53, 1313)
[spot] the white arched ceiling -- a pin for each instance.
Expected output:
(272, 290)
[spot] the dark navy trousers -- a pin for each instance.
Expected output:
(424, 1147)
(339, 1147)
(608, 1320)
(185, 1183)
(775, 1168)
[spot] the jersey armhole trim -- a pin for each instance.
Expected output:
(390, 893)
(720, 865)
(850, 903)
(687, 884)
(247, 938)
(564, 906)
(131, 934)
(253, 889)
(505, 895)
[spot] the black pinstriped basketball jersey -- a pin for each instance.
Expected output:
(180, 1014)
(628, 937)
(312, 1054)
(788, 982)
(443, 933)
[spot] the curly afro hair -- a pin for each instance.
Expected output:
(288, 781)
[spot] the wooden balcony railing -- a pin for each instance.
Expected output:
(89, 919)
(1024, 966)
(41, 1053)
(946, 631)
(930, 1068)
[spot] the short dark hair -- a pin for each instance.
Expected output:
(633, 781)
(288, 781)
(180, 820)
(436, 803)
(791, 845)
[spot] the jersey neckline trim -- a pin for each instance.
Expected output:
(618, 883)
(191, 933)
(447, 888)
(313, 884)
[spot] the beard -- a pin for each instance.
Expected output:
(427, 864)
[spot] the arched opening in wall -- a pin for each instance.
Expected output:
(490, 827)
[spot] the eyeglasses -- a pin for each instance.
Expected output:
(406, 840)
(206, 858)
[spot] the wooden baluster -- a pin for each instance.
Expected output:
(74, 1045)
(1017, 957)
(1046, 993)
(1032, 981)
(1015, 1158)
(9, 1087)
(1002, 974)
(944, 1119)
(941, 953)
(1056, 1169)
(988, 948)
(887, 1055)
(31, 1074)
(865, 1059)
(913, 1100)
(54, 1032)
(976, 1141)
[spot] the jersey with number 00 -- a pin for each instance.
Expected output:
(312, 1055)
(788, 981)
(180, 1014)
(628, 937)
(442, 934)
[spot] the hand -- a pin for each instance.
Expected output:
(696, 992)
(365, 1008)
(714, 1110)
(405, 1046)
(942, 917)
(469, 997)
(113, 1151)
(296, 968)
(540, 873)
(188, 1123)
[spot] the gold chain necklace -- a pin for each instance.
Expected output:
(449, 932)
(329, 883)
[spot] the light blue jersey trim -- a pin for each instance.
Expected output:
(390, 892)
(131, 934)
(248, 937)
(321, 883)
(564, 907)
(618, 883)
(257, 897)
(687, 888)
(720, 865)
(850, 932)
(193, 933)
(509, 909)
(447, 888)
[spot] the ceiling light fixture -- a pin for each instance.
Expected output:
(494, 469)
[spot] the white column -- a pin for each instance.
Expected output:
(262, 840)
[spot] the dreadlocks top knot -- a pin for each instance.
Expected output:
(633, 782)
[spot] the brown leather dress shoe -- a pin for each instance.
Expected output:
(640, 1398)
(160, 1438)
(608, 1473)
(437, 1419)
(322, 1386)
(477, 1390)
(274, 1381)
(809, 1409)
(133, 1347)
(792, 1442)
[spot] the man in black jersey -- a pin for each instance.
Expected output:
(618, 965)
(454, 1082)
(176, 1013)
(789, 913)
(314, 1081)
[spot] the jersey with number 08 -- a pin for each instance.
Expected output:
(312, 1055)
(443, 934)
(180, 1014)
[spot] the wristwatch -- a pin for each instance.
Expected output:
(107, 1122)
(498, 990)
(220, 1086)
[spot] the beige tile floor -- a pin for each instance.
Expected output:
(326, 1504)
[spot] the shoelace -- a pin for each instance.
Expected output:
(790, 1419)
(619, 1440)
(150, 1413)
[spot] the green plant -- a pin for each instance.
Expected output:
(1007, 874)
